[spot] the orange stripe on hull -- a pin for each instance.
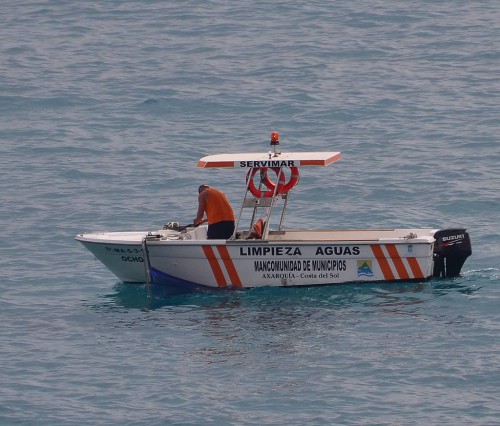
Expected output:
(398, 262)
(415, 267)
(382, 262)
(228, 263)
(214, 264)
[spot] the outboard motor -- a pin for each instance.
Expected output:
(451, 249)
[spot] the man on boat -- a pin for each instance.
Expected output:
(220, 215)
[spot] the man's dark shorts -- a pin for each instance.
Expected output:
(220, 230)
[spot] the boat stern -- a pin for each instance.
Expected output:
(451, 250)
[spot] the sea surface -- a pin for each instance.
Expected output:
(105, 108)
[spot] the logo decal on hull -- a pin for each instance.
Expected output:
(365, 268)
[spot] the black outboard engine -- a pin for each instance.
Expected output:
(451, 249)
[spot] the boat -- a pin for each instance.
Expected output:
(263, 252)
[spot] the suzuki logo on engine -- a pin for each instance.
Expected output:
(454, 237)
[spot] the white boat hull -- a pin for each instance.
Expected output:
(120, 252)
(188, 261)
(246, 264)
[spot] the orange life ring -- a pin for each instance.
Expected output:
(264, 177)
(283, 187)
(294, 180)
(265, 181)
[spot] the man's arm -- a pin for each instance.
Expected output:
(202, 202)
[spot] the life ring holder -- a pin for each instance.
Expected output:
(283, 187)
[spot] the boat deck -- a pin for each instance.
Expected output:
(351, 235)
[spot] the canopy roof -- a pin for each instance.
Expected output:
(255, 159)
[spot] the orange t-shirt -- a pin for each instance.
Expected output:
(217, 207)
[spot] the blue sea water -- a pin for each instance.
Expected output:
(105, 108)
